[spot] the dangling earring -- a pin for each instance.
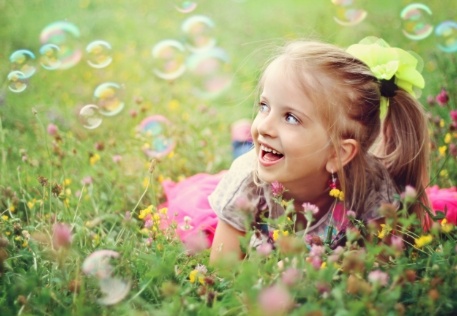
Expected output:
(334, 190)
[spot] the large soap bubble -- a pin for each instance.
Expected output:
(23, 60)
(66, 36)
(348, 12)
(169, 59)
(198, 31)
(156, 130)
(416, 21)
(108, 97)
(49, 56)
(99, 54)
(446, 33)
(90, 116)
(17, 81)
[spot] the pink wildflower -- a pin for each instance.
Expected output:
(87, 180)
(277, 189)
(442, 98)
(61, 235)
(351, 214)
(291, 276)
(275, 300)
(308, 207)
(410, 194)
(316, 251)
(117, 158)
(52, 129)
(195, 243)
(378, 277)
(453, 115)
(397, 243)
(264, 249)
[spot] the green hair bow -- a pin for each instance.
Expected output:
(386, 62)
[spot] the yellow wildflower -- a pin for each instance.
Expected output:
(171, 154)
(442, 123)
(163, 210)
(93, 159)
(31, 203)
(444, 173)
(173, 105)
(385, 230)
(446, 226)
(66, 182)
(145, 212)
(336, 193)
(442, 150)
(277, 233)
(195, 275)
(156, 217)
(12, 208)
(447, 138)
(423, 240)
(5, 217)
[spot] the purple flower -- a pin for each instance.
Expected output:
(442, 98)
(277, 189)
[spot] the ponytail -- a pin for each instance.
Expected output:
(404, 148)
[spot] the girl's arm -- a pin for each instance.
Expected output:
(226, 242)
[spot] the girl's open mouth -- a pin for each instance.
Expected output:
(269, 155)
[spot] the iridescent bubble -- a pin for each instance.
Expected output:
(185, 6)
(169, 59)
(416, 21)
(446, 33)
(210, 72)
(109, 99)
(22, 60)
(198, 30)
(99, 54)
(90, 116)
(49, 56)
(348, 12)
(17, 81)
(156, 130)
(65, 35)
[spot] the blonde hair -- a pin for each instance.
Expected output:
(348, 96)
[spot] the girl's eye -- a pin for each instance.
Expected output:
(291, 119)
(263, 107)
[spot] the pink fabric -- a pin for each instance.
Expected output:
(444, 198)
(190, 198)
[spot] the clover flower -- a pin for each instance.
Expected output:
(61, 235)
(275, 300)
(277, 189)
(378, 277)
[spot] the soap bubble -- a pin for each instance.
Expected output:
(99, 54)
(185, 6)
(22, 60)
(348, 12)
(108, 98)
(49, 56)
(65, 35)
(169, 59)
(198, 30)
(17, 81)
(446, 33)
(209, 71)
(156, 130)
(90, 116)
(416, 21)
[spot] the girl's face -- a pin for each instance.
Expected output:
(291, 143)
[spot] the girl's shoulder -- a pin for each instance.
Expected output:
(236, 191)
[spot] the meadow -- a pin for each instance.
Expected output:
(132, 93)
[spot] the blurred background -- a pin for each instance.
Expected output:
(167, 78)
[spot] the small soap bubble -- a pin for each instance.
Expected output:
(17, 81)
(210, 72)
(155, 130)
(198, 31)
(108, 97)
(65, 35)
(49, 56)
(185, 6)
(446, 33)
(348, 12)
(99, 54)
(90, 116)
(23, 60)
(169, 59)
(416, 21)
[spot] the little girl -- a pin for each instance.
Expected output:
(335, 130)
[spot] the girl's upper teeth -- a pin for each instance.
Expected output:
(264, 148)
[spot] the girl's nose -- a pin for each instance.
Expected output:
(267, 126)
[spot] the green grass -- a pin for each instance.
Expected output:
(37, 280)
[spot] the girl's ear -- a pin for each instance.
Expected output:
(347, 150)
